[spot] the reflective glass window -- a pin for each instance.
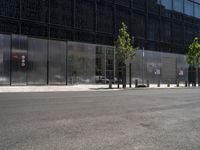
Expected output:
(36, 10)
(139, 25)
(19, 60)
(100, 65)
(8, 26)
(34, 29)
(178, 5)
(123, 2)
(167, 4)
(5, 45)
(85, 14)
(197, 10)
(61, 12)
(81, 63)
(139, 4)
(59, 33)
(189, 9)
(153, 6)
(37, 61)
(153, 29)
(123, 16)
(177, 33)
(105, 18)
(57, 62)
(10, 8)
(166, 31)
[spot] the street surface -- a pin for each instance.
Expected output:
(153, 119)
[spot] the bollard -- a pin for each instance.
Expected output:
(147, 83)
(186, 83)
(158, 83)
(168, 84)
(110, 84)
(136, 83)
(177, 83)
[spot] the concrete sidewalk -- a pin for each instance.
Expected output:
(80, 87)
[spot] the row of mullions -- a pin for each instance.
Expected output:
(30, 61)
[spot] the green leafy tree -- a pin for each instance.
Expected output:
(193, 55)
(124, 50)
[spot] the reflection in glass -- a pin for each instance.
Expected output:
(167, 4)
(19, 60)
(178, 5)
(4, 60)
(81, 63)
(57, 62)
(153, 29)
(157, 66)
(100, 65)
(37, 65)
(105, 64)
(197, 10)
(189, 8)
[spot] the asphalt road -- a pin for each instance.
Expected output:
(116, 120)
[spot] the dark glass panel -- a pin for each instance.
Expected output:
(7, 26)
(105, 21)
(10, 8)
(139, 4)
(165, 31)
(5, 46)
(139, 25)
(34, 29)
(153, 6)
(85, 14)
(123, 16)
(123, 2)
(36, 10)
(166, 7)
(178, 33)
(60, 33)
(104, 39)
(61, 12)
(37, 61)
(153, 29)
(153, 46)
(84, 37)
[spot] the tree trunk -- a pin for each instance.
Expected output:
(197, 76)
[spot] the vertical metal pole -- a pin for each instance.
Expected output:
(105, 64)
(114, 73)
(143, 66)
(130, 75)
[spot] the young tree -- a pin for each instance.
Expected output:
(124, 50)
(193, 55)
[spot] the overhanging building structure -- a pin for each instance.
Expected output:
(71, 41)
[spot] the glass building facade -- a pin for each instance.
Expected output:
(34, 61)
(40, 41)
(158, 25)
